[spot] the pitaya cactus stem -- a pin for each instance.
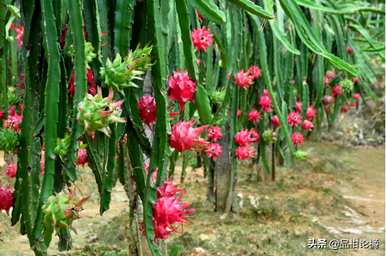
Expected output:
(3, 58)
(273, 162)
(51, 109)
(160, 142)
(76, 24)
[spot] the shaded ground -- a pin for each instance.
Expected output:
(337, 194)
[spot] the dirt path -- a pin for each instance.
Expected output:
(369, 195)
(364, 216)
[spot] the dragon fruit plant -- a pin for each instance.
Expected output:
(113, 85)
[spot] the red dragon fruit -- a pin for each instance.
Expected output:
(202, 38)
(254, 116)
(294, 119)
(254, 72)
(6, 199)
(275, 121)
(184, 136)
(297, 138)
(181, 88)
(243, 79)
(213, 150)
(265, 101)
(11, 170)
(147, 109)
(307, 125)
(169, 210)
(244, 152)
(214, 133)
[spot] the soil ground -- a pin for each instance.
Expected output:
(338, 193)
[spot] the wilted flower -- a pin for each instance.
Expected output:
(181, 88)
(202, 38)
(147, 109)
(184, 135)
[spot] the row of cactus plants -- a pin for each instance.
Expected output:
(129, 87)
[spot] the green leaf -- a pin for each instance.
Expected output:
(51, 106)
